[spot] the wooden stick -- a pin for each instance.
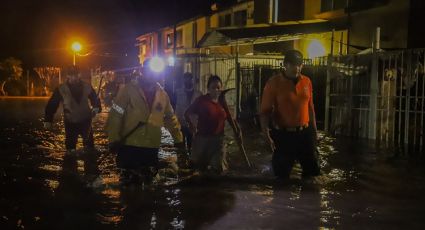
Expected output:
(235, 126)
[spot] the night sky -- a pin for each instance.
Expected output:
(39, 32)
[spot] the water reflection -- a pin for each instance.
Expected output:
(41, 188)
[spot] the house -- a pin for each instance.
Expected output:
(243, 42)
(247, 27)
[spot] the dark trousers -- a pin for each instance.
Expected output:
(131, 157)
(72, 130)
(187, 136)
(291, 146)
(137, 164)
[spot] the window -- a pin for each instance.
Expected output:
(225, 20)
(169, 40)
(228, 20)
(330, 5)
(240, 18)
(143, 49)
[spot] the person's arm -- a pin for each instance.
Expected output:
(172, 123)
(266, 109)
(95, 101)
(114, 122)
(52, 106)
(189, 113)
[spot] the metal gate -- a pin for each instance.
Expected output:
(245, 73)
(249, 76)
(378, 96)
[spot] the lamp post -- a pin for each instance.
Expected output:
(76, 47)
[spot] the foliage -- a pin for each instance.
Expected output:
(11, 68)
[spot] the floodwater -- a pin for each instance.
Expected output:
(362, 187)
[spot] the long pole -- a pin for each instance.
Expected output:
(223, 102)
(73, 60)
(174, 47)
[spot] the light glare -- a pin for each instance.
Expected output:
(315, 49)
(157, 65)
(76, 47)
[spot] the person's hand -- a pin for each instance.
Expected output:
(180, 146)
(47, 125)
(238, 135)
(114, 146)
(269, 140)
(193, 129)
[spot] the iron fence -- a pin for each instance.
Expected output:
(378, 96)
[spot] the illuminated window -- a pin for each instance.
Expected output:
(143, 49)
(169, 40)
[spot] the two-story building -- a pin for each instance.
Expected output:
(248, 27)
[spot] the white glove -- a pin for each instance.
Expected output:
(47, 125)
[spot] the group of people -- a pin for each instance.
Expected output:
(142, 107)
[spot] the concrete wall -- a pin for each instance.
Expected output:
(214, 20)
(290, 10)
(201, 28)
(416, 24)
(393, 20)
(311, 8)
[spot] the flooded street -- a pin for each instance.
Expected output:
(361, 187)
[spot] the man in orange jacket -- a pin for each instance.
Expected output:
(288, 120)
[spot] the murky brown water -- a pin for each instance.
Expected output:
(361, 187)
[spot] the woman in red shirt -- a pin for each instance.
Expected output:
(208, 148)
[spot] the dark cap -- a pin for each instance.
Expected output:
(72, 70)
(294, 57)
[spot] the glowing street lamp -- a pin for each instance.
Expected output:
(76, 47)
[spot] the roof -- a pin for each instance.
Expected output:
(264, 33)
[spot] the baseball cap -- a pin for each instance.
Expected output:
(294, 57)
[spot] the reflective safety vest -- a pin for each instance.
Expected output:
(130, 110)
(73, 111)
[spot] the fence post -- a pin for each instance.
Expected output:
(373, 101)
(260, 93)
(238, 86)
(328, 91)
(28, 83)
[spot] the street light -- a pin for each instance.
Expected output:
(76, 47)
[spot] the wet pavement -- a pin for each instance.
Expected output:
(362, 187)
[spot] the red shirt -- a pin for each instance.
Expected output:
(211, 115)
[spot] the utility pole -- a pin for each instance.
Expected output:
(175, 46)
